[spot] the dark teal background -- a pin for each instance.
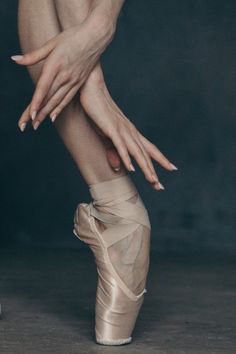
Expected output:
(171, 68)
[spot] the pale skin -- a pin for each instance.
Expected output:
(68, 62)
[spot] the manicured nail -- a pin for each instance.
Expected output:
(36, 124)
(33, 115)
(53, 117)
(173, 167)
(131, 167)
(22, 126)
(161, 186)
(17, 57)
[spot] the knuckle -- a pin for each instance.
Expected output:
(60, 63)
(111, 133)
(65, 75)
(57, 66)
(114, 133)
(138, 155)
(144, 164)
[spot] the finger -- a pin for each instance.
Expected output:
(156, 154)
(64, 102)
(156, 183)
(36, 55)
(148, 159)
(123, 152)
(25, 117)
(44, 83)
(113, 158)
(137, 153)
(61, 79)
(53, 102)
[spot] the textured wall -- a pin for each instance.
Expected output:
(171, 68)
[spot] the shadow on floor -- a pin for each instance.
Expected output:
(48, 298)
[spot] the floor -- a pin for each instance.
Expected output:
(47, 298)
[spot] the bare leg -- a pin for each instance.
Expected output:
(133, 249)
(37, 23)
(122, 220)
(128, 255)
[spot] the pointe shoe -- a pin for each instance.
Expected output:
(116, 227)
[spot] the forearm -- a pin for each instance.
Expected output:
(102, 17)
(109, 9)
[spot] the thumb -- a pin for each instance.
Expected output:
(113, 158)
(112, 155)
(36, 55)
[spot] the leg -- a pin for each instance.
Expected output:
(37, 23)
(121, 239)
(120, 244)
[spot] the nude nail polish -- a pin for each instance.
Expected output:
(36, 125)
(53, 118)
(33, 115)
(132, 167)
(161, 186)
(173, 167)
(22, 126)
(17, 57)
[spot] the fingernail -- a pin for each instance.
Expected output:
(53, 117)
(22, 126)
(33, 115)
(161, 186)
(131, 167)
(173, 167)
(36, 125)
(17, 57)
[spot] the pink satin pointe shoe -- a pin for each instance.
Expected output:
(116, 227)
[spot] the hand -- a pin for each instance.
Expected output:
(121, 137)
(69, 58)
(127, 140)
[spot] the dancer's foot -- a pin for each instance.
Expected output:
(117, 229)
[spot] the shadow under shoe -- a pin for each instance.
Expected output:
(121, 250)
